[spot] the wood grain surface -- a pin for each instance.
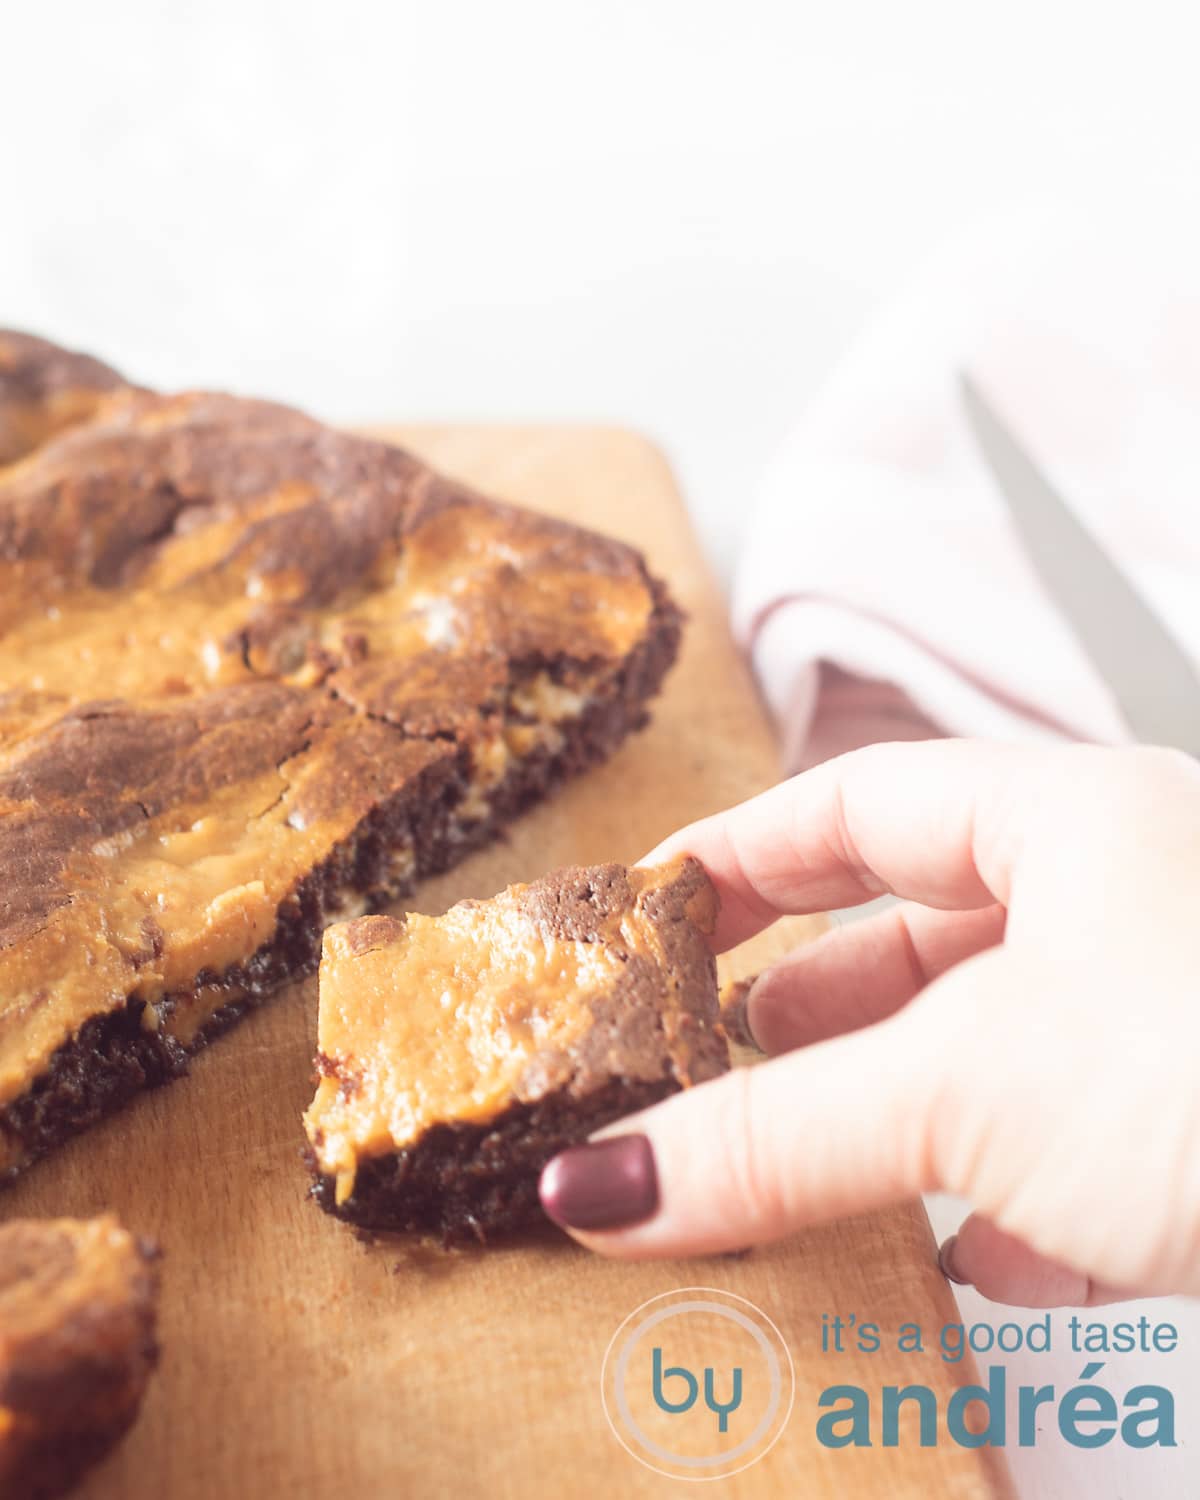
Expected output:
(300, 1361)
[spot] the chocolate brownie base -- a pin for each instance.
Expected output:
(114, 1056)
(77, 1347)
(467, 1183)
(608, 969)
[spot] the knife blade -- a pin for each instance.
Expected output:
(1153, 679)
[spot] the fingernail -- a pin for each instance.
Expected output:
(601, 1185)
(946, 1262)
(753, 999)
(735, 1016)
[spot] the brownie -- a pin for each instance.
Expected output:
(256, 675)
(43, 389)
(77, 1346)
(459, 1053)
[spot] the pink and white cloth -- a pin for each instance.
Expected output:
(884, 592)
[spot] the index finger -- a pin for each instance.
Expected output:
(929, 821)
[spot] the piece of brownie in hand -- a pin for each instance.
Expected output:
(459, 1053)
(77, 1317)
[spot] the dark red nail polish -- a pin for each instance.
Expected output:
(602, 1185)
(946, 1262)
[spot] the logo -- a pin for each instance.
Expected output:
(697, 1383)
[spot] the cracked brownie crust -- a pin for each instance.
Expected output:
(459, 1053)
(254, 675)
(77, 1347)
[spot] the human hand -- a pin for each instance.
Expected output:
(1023, 1030)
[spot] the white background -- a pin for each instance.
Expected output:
(674, 214)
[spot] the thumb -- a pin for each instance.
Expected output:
(835, 1128)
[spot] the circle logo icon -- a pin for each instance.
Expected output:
(697, 1383)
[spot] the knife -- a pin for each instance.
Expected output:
(1153, 679)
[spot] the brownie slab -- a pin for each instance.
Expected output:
(256, 675)
(459, 1053)
(78, 1301)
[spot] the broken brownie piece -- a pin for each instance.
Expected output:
(77, 1346)
(459, 1053)
(256, 675)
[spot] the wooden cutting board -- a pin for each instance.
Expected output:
(299, 1360)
